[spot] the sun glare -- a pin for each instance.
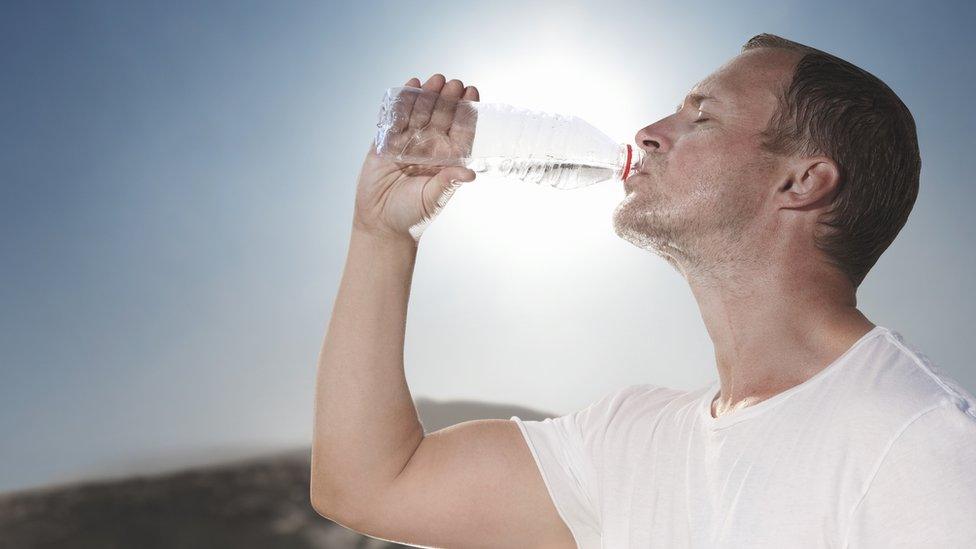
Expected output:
(524, 226)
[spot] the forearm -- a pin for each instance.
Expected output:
(365, 423)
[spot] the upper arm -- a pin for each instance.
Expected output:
(474, 484)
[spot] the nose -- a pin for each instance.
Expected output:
(653, 139)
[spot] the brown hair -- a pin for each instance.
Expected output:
(836, 109)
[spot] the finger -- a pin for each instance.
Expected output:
(446, 104)
(403, 106)
(464, 121)
(420, 116)
(471, 94)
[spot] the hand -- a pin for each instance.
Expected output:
(397, 200)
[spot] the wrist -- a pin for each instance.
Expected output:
(383, 241)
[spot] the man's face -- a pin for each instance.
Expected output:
(702, 188)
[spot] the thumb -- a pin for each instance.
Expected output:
(446, 181)
(441, 186)
(452, 176)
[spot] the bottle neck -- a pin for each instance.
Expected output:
(630, 160)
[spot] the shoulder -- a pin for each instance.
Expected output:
(946, 426)
(883, 387)
(630, 417)
(937, 441)
(640, 398)
(611, 412)
(914, 426)
(923, 490)
(898, 381)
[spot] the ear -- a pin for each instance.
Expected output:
(811, 183)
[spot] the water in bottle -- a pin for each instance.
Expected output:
(420, 127)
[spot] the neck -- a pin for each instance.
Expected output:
(774, 324)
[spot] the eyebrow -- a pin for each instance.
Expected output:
(696, 100)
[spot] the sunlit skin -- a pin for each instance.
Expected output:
(738, 223)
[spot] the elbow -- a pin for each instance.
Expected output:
(331, 508)
(323, 493)
(324, 500)
(330, 503)
(320, 503)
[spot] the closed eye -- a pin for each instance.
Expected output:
(701, 120)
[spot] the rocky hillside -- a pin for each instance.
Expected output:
(257, 503)
(261, 503)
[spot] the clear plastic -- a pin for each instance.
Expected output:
(421, 127)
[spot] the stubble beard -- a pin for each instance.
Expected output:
(689, 235)
(646, 222)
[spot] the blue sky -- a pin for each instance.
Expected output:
(177, 184)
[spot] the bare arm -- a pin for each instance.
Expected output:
(366, 424)
(474, 484)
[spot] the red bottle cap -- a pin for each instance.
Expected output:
(630, 154)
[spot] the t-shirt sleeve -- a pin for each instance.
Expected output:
(924, 492)
(567, 451)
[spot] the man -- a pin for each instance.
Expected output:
(773, 189)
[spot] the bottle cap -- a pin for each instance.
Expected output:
(626, 171)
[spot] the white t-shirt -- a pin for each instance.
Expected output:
(876, 450)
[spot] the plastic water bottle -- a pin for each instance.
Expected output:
(421, 127)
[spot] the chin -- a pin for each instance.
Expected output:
(628, 225)
(643, 228)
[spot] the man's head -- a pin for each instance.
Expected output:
(784, 146)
